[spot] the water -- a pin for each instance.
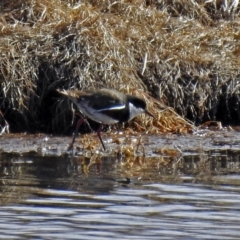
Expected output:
(195, 196)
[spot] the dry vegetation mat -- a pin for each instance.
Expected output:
(185, 54)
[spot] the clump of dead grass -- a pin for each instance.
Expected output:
(176, 50)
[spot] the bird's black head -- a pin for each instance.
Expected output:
(137, 106)
(137, 102)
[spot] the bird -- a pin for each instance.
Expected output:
(105, 106)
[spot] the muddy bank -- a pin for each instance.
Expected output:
(131, 145)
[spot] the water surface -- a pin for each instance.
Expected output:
(192, 195)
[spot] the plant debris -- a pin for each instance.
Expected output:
(185, 54)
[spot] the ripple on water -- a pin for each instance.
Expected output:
(196, 197)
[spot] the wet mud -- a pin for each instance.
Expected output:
(173, 145)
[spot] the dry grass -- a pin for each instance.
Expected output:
(185, 53)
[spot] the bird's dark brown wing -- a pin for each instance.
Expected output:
(106, 99)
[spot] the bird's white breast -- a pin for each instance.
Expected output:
(134, 111)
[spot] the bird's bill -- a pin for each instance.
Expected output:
(149, 113)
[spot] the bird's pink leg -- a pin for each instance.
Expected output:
(99, 136)
(79, 123)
